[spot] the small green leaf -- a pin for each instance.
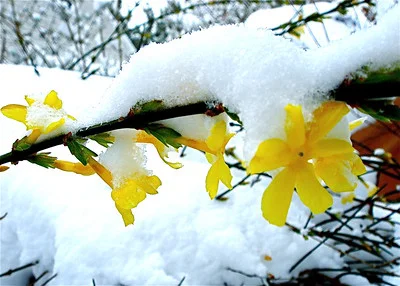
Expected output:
(233, 116)
(43, 159)
(153, 105)
(164, 134)
(103, 139)
(81, 152)
(381, 111)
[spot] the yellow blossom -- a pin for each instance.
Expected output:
(51, 108)
(128, 193)
(214, 147)
(306, 156)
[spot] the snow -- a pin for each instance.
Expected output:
(69, 222)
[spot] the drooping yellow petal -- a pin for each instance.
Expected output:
(54, 125)
(149, 184)
(126, 214)
(216, 139)
(330, 147)
(356, 123)
(15, 111)
(77, 168)
(277, 197)
(325, 118)
(29, 100)
(53, 100)
(310, 191)
(294, 126)
(219, 171)
(103, 173)
(271, 154)
(336, 174)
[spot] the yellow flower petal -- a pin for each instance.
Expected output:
(4, 168)
(310, 191)
(129, 195)
(219, 171)
(15, 111)
(330, 147)
(277, 197)
(54, 125)
(126, 214)
(29, 100)
(216, 139)
(149, 184)
(77, 168)
(103, 173)
(53, 100)
(294, 126)
(336, 174)
(356, 123)
(357, 165)
(271, 154)
(325, 118)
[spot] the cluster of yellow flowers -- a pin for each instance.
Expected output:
(310, 155)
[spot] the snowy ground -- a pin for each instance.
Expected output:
(69, 223)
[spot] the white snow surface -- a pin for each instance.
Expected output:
(69, 222)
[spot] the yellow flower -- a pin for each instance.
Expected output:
(306, 155)
(128, 193)
(214, 147)
(143, 137)
(41, 118)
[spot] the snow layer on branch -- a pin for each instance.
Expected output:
(251, 71)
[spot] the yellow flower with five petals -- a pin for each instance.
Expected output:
(307, 155)
(40, 117)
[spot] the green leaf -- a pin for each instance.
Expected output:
(43, 159)
(21, 144)
(381, 111)
(81, 152)
(153, 105)
(233, 116)
(164, 134)
(103, 139)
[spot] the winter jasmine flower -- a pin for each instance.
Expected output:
(307, 155)
(40, 117)
(128, 192)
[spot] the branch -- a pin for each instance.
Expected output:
(132, 120)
